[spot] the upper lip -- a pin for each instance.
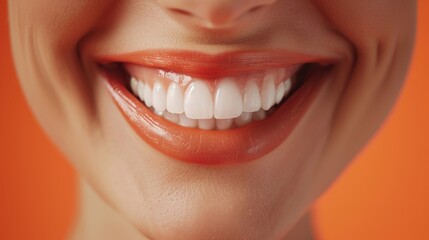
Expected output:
(213, 66)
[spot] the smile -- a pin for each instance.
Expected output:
(213, 109)
(220, 104)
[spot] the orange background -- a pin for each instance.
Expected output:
(383, 195)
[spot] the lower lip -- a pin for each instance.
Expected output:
(210, 147)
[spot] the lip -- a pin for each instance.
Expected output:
(210, 147)
(208, 66)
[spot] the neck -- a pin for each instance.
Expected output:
(98, 221)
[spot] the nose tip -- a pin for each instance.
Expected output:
(214, 13)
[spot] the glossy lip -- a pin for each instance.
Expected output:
(211, 147)
(207, 66)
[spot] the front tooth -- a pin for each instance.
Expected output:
(175, 98)
(159, 113)
(268, 92)
(288, 86)
(187, 122)
(159, 97)
(251, 97)
(172, 117)
(198, 103)
(228, 102)
(147, 95)
(134, 85)
(280, 92)
(222, 124)
(244, 118)
(259, 115)
(140, 90)
(206, 124)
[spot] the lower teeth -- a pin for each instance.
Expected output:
(212, 124)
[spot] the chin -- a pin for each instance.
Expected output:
(222, 198)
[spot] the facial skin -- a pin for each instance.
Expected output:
(163, 198)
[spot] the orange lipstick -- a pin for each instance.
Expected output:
(214, 147)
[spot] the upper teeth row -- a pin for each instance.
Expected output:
(198, 102)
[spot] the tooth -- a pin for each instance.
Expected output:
(251, 97)
(175, 98)
(280, 92)
(158, 97)
(134, 85)
(147, 95)
(198, 103)
(159, 113)
(206, 124)
(172, 117)
(187, 122)
(222, 124)
(288, 86)
(244, 118)
(140, 90)
(259, 115)
(268, 91)
(228, 102)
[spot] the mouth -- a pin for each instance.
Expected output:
(213, 109)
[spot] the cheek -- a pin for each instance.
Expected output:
(45, 40)
(363, 20)
(381, 33)
(64, 22)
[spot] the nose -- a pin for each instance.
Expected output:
(215, 13)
